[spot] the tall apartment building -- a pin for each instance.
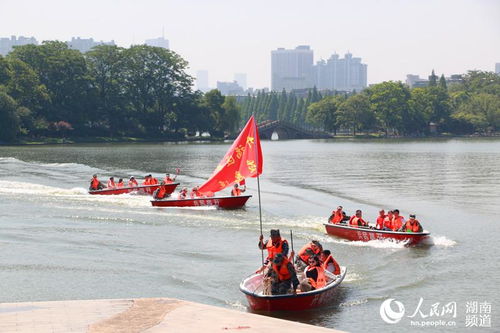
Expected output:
(241, 79)
(159, 42)
(292, 69)
(497, 68)
(6, 44)
(85, 44)
(202, 80)
(230, 88)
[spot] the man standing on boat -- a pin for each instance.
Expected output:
(275, 245)
(283, 276)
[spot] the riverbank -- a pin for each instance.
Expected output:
(138, 315)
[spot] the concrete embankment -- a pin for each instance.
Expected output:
(138, 315)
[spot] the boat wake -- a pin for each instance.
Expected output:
(440, 241)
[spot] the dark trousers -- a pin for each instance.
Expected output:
(281, 287)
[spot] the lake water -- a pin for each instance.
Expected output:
(59, 243)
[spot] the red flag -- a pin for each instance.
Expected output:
(243, 160)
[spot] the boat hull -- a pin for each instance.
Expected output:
(220, 202)
(301, 301)
(365, 234)
(141, 189)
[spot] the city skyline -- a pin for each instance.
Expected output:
(392, 37)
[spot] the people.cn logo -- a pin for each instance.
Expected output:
(390, 316)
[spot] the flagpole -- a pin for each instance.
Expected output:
(260, 217)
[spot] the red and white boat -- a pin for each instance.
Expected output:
(252, 288)
(141, 189)
(367, 234)
(219, 202)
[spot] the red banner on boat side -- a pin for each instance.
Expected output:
(243, 160)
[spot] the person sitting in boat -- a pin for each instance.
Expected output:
(397, 221)
(380, 219)
(132, 182)
(388, 221)
(120, 183)
(329, 263)
(313, 248)
(357, 220)
(147, 180)
(111, 182)
(283, 276)
(337, 216)
(236, 191)
(153, 180)
(183, 193)
(95, 184)
(274, 245)
(413, 225)
(168, 179)
(195, 193)
(315, 275)
(161, 192)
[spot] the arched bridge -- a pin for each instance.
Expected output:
(286, 130)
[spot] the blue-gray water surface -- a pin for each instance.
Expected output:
(59, 243)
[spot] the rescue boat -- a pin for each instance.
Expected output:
(219, 202)
(141, 189)
(366, 234)
(252, 287)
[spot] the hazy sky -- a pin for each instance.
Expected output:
(229, 36)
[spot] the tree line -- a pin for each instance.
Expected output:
(50, 90)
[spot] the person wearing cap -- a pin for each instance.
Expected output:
(283, 276)
(336, 216)
(357, 220)
(95, 184)
(412, 225)
(132, 182)
(274, 245)
(236, 191)
(168, 179)
(183, 193)
(120, 183)
(380, 219)
(111, 182)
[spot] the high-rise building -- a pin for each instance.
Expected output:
(415, 81)
(241, 79)
(159, 42)
(85, 44)
(292, 69)
(230, 88)
(497, 68)
(343, 74)
(6, 44)
(202, 80)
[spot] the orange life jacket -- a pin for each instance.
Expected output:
(111, 184)
(132, 183)
(337, 217)
(153, 181)
(273, 250)
(412, 228)
(168, 180)
(303, 252)
(119, 185)
(336, 267)
(147, 181)
(94, 184)
(320, 281)
(396, 223)
(356, 221)
(235, 192)
(380, 221)
(282, 271)
(162, 191)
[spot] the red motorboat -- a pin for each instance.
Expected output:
(219, 202)
(252, 288)
(141, 189)
(367, 234)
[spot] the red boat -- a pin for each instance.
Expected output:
(219, 202)
(366, 234)
(141, 189)
(252, 288)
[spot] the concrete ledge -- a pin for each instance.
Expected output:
(138, 315)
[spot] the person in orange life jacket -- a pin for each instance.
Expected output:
(397, 221)
(111, 182)
(357, 220)
(336, 216)
(283, 276)
(195, 193)
(413, 225)
(388, 220)
(274, 245)
(120, 183)
(160, 192)
(132, 182)
(95, 184)
(183, 193)
(147, 180)
(153, 180)
(236, 191)
(168, 179)
(380, 219)
(315, 275)
(328, 263)
(313, 248)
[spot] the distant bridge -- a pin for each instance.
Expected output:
(286, 130)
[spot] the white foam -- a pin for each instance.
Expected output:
(351, 277)
(441, 241)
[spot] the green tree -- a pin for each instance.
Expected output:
(9, 121)
(231, 117)
(482, 111)
(355, 113)
(324, 113)
(442, 82)
(212, 102)
(433, 79)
